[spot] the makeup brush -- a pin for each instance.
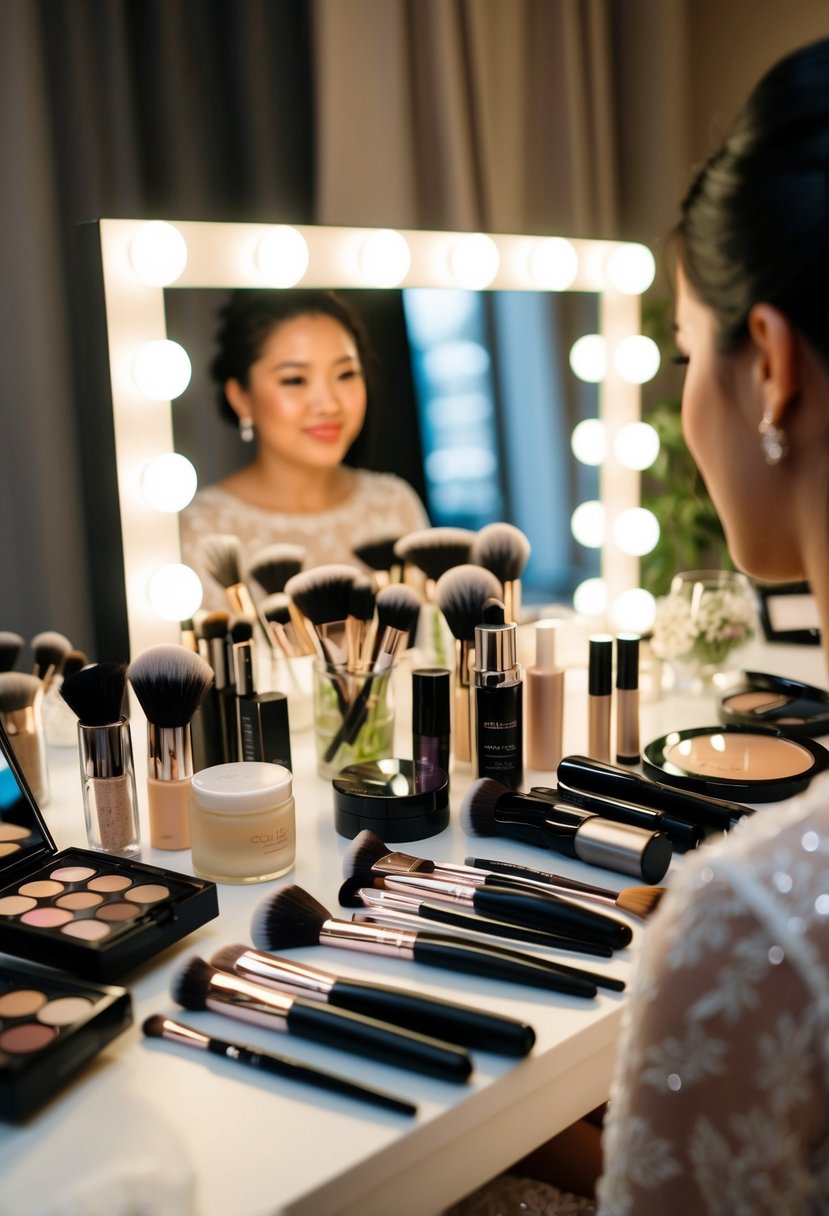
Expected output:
(272, 566)
(359, 621)
(170, 683)
(323, 595)
(60, 724)
(435, 550)
(220, 552)
(489, 808)
(460, 594)
(445, 1020)
(11, 645)
(200, 986)
(159, 1027)
(292, 917)
(504, 550)
(381, 558)
(215, 627)
(49, 649)
(21, 700)
(286, 626)
(96, 694)
(637, 901)
(367, 855)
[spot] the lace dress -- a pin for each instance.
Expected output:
(381, 505)
(719, 1103)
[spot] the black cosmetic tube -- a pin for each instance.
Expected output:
(682, 835)
(499, 699)
(261, 717)
(431, 690)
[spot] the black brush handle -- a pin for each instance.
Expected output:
(683, 836)
(445, 915)
(378, 1040)
(541, 910)
(429, 1015)
(497, 964)
(295, 1070)
(513, 870)
(354, 718)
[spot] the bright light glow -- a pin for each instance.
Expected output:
(588, 358)
(384, 258)
(589, 441)
(636, 531)
(590, 597)
(631, 269)
(634, 611)
(281, 256)
(435, 314)
(636, 358)
(169, 482)
(587, 524)
(451, 362)
(161, 370)
(174, 592)
(636, 445)
(554, 264)
(460, 464)
(474, 260)
(158, 253)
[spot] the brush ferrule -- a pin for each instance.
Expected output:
(177, 1032)
(387, 646)
(243, 669)
(401, 863)
(285, 974)
(388, 901)
(169, 752)
(370, 939)
(105, 751)
(334, 642)
(249, 1001)
(217, 651)
(442, 889)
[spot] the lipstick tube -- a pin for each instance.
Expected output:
(599, 696)
(627, 699)
(498, 684)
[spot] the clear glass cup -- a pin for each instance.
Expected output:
(353, 717)
(711, 614)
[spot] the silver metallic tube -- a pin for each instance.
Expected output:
(368, 938)
(169, 752)
(250, 1002)
(291, 976)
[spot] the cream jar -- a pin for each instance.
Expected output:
(242, 822)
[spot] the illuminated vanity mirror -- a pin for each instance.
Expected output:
(165, 282)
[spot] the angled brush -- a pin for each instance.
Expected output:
(221, 553)
(504, 550)
(637, 901)
(323, 595)
(97, 694)
(461, 594)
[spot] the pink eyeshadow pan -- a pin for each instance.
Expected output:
(13, 905)
(30, 1036)
(115, 912)
(87, 930)
(40, 889)
(149, 893)
(72, 873)
(80, 899)
(109, 882)
(46, 918)
(20, 1002)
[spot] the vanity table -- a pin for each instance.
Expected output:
(152, 1128)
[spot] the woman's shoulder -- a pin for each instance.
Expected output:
(389, 493)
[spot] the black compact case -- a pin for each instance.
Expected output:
(50, 1026)
(391, 799)
(92, 914)
(790, 706)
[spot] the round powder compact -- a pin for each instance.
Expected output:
(751, 764)
(389, 798)
(795, 709)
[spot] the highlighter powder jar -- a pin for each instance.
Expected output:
(754, 764)
(391, 798)
(790, 706)
(242, 822)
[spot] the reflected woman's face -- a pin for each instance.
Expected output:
(306, 392)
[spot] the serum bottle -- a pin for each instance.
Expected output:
(545, 701)
(499, 689)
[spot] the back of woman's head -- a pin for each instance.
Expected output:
(755, 222)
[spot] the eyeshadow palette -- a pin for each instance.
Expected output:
(90, 913)
(50, 1026)
(794, 708)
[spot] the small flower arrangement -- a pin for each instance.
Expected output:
(703, 618)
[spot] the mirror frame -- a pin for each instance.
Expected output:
(223, 255)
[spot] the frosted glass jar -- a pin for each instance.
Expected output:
(242, 822)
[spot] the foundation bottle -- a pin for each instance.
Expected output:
(545, 701)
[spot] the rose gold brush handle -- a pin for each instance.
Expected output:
(462, 705)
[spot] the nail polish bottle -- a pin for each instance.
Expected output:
(499, 692)
(545, 701)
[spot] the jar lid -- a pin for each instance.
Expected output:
(241, 787)
(391, 799)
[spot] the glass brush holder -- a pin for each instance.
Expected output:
(108, 783)
(353, 717)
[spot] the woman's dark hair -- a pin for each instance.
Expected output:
(755, 222)
(248, 318)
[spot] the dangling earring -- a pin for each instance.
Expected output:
(772, 441)
(246, 430)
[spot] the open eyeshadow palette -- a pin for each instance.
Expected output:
(89, 913)
(50, 1026)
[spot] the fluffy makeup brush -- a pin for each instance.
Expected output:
(95, 694)
(73, 662)
(241, 630)
(10, 646)
(504, 550)
(361, 602)
(221, 556)
(49, 650)
(200, 986)
(435, 550)
(169, 682)
(286, 625)
(323, 595)
(272, 566)
(381, 558)
(460, 594)
(21, 699)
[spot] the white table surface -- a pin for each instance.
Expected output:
(160, 1130)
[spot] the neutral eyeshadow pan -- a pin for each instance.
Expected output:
(20, 1002)
(26, 1037)
(64, 1010)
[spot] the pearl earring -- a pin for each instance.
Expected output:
(246, 430)
(772, 441)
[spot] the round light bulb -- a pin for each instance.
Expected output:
(590, 597)
(169, 482)
(384, 258)
(474, 261)
(281, 256)
(636, 359)
(158, 253)
(589, 441)
(174, 592)
(554, 263)
(636, 445)
(631, 269)
(587, 524)
(636, 531)
(161, 370)
(634, 611)
(588, 358)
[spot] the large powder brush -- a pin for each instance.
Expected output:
(221, 554)
(272, 566)
(504, 550)
(21, 700)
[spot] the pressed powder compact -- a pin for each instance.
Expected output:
(792, 707)
(392, 799)
(89, 913)
(754, 764)
(50, 1026)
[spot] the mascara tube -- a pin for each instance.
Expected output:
(599, 696)
(498, 683)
